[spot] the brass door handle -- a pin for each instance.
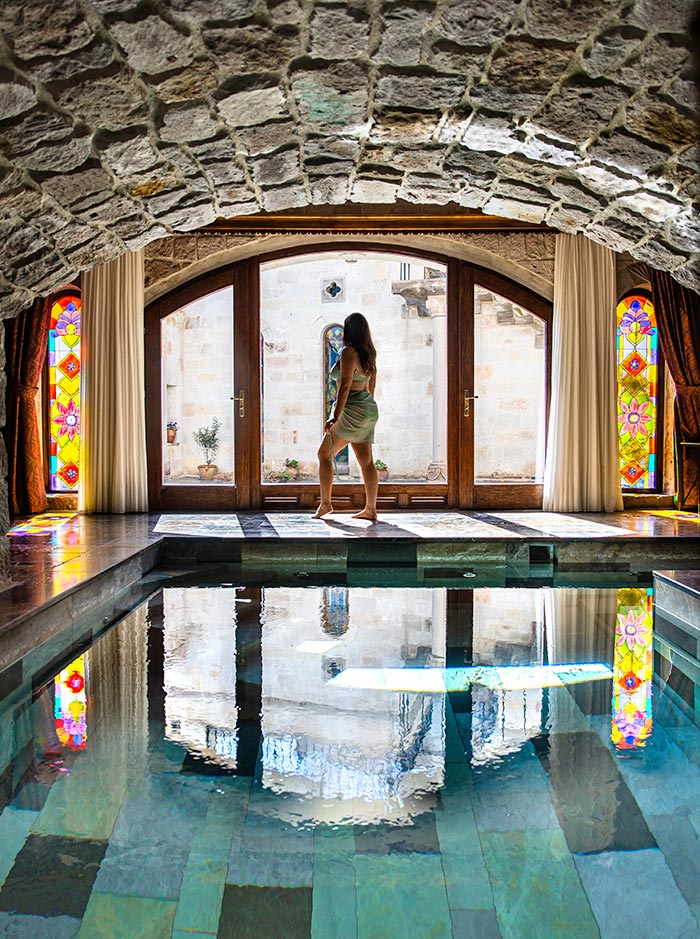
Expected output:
(467, 399)
(241, 402)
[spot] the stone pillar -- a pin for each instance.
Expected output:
(4, 508)
(437, 310)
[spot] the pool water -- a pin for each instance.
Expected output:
(357, 762)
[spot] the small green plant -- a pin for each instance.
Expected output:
(208, 439)
(290, 462)
(380, 464)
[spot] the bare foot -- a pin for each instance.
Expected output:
(323, 509)
(365, 513)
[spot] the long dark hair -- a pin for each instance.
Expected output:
(356, 334)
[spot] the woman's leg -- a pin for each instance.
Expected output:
(325, 471)
(363, 452)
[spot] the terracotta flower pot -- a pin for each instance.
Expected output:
(382, 475)
(207, 471)
(172, 434)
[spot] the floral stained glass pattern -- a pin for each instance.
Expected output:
(637, 391)
(64, 394)
(332, 348)
(632, 670)
(70, 705)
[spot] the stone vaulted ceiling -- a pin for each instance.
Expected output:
(123, 121)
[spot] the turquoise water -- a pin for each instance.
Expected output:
(356, 762)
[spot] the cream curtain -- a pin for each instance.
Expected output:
(581, 468)
(113, 444)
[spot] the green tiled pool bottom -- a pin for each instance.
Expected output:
(347, 761)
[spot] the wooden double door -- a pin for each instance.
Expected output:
(238, 382)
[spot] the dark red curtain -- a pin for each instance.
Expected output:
(26, 338)
(678, 319)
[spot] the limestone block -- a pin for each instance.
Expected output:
(34, 33)
(38, 128)
(684, 232)
(402, 29)
(408, 128)
(610, 49)
(332, 96)
(513, 208)
(196, 81)
(328, 190)
(279, 168)
(490, 133)
(214, 10)
(655, 118)
(127, 156)
(426, 187)
(99, 249)
(322, 166)
(337, 33)
(342, 148)
(143, 237)
(627, 151)
(283, 12)
(521, 169)
(252, 50)
(446, 56)
(252, 107)
(15, 96)
(94, 58)
(476, 24)
(188, 123)
(645, 14)
(563, 20)
(568, 218)
(556, 152)
(286, 197)
(419, 92)
(581, 109)
(661, 58)
(615, 234)
(605, 181)
(268, 137)
(111, 103)
(63, 156)
(689, 274)
(84, 187)
(152, 46)
(656, 208)
(658, 255)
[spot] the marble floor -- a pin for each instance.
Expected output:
(54, 555)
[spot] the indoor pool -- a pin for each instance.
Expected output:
(353, 762)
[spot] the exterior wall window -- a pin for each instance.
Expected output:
(64, 393)
(332, 348)
(637, 391)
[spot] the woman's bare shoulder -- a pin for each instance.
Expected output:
(348, 354)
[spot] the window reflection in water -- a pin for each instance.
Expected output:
(631, 703)
(200, 670)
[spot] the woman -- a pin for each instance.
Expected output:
(354, 415)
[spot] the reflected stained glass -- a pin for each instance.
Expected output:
(64, 394)
(637, 390)
(332, 349)
(70, 705)
(632, 669)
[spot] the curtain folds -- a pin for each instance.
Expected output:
(678, 320)
(113, 445)
(581, 468)
(26, 339)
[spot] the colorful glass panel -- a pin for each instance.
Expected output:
(637, 390)
(70, 705)
(332, 348)
(64, 394)
(632, 670)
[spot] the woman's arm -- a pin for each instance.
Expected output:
(348, 358)
(373, 383)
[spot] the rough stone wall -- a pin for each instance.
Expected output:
(4, 506)
(124, 122)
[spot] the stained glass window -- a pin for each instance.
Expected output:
(64, 394)
(637, 390)
(70, 705)
(332, 348)
(632, 669)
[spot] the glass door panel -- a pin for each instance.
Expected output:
(196, 388)
(510, 382)
(303, 303)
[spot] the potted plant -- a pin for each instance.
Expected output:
(208, 439)
(292, 467)
(382, 471)
(172, 431)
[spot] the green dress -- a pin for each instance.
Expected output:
(360, 414)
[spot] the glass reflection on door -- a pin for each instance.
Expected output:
(303, 301)
(197, 382)
(510, 382)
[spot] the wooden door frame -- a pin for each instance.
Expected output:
(249, 491)
(204, 496)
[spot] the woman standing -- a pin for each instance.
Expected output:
(354, 415)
